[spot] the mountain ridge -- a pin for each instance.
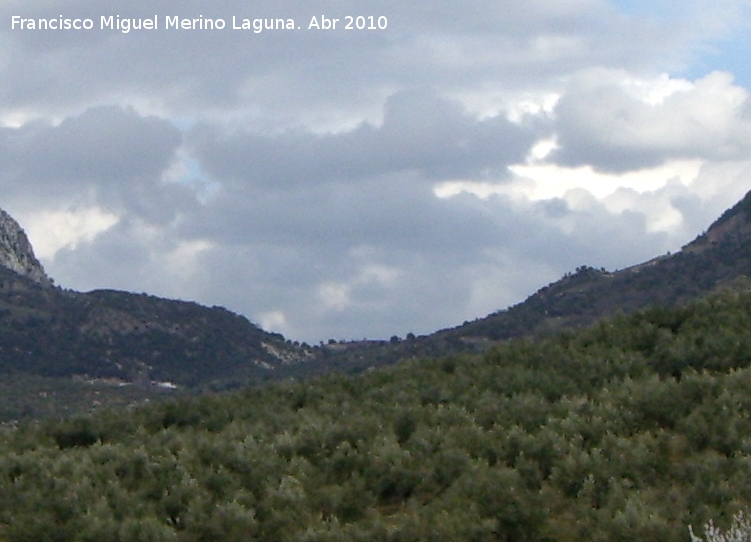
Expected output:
(135, 339)
(716, 259)
(139, 339)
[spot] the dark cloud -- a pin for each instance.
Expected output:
(102, 143)
(110, 153)
(420, 133)
(399, 212)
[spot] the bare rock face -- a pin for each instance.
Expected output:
(16, 252)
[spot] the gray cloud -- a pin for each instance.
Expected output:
(420, 132)
(112, 154)
(102, 143)
(281, 75)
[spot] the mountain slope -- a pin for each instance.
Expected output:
(47, 331)
(127, 338)
(135, 338)
(717, 259)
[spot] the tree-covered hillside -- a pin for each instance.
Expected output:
(50, 332)
(633, 429)
(82, 346)
(718, 259)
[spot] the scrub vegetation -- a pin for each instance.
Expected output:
(633, 429)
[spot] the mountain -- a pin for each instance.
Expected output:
(134, 338)
(718, 259)
(113, 339)
(121, 338)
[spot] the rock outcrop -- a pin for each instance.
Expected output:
(16, 252)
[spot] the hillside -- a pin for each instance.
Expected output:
(633, 429)
(718, 259)
(136, 338)
(95, 342)
(63, 351)
(69, 351)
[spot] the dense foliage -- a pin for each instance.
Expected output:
(633, 429)
(25, 397)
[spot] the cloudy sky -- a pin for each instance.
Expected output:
(335, 183)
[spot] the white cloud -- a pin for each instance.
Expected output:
(50, 231)
(182, 261)
(334, 295)
(552, 180)
(609, 121)
(273, 321)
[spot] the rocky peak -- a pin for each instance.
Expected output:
(16, 252)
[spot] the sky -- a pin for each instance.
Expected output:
(328, 182)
